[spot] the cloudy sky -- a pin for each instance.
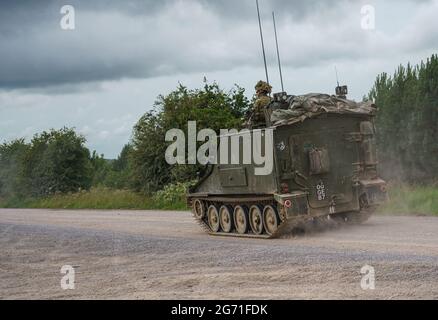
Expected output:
(107, 72)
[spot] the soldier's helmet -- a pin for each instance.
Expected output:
(263, 87)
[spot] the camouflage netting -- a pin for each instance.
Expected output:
(262, 86)
(312, 105)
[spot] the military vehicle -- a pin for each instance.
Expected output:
(325, 168)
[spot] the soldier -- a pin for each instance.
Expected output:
(263, 90)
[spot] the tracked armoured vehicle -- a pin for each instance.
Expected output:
(325, 168)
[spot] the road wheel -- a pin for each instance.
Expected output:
(270, 220)
(226, 218)
(213, 219)
(241, 219)
(199, 209)
(256, 219)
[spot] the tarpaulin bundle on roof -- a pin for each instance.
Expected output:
(314, 104)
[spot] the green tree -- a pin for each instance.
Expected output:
(12, 156)
(210, 107)
(408, 121)
(101, 169)
(122, 162)
(119, 173)
(56, 162)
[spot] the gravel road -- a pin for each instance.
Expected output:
(165, 255)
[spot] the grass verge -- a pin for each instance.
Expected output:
(412, 200)
(404, 200)
(98, 198)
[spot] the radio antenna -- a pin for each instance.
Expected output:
(337, 78)
(278, 51)
(263, 43)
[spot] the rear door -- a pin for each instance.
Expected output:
(324, 162)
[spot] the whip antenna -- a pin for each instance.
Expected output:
(263, 43)
(278, 51)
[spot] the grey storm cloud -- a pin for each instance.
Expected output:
(143, 39)
(129, 39)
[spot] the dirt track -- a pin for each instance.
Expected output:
(165, 255)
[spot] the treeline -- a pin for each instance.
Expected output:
(407, 122)
(58, 162)
(54, 162)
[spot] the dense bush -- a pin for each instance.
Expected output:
(174, 193)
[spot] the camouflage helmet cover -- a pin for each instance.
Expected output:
(262, 86)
